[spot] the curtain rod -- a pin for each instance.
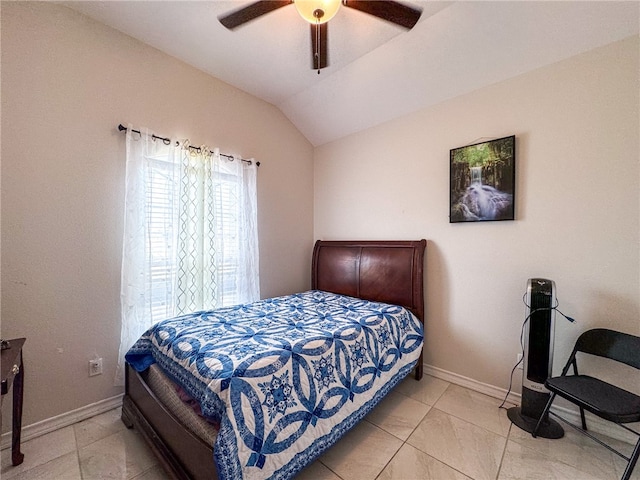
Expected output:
(167, 141)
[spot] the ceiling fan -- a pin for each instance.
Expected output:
(319, 12)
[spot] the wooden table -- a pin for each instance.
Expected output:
(13, 373)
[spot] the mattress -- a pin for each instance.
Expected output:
(167, 392)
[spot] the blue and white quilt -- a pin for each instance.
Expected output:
(286, 377)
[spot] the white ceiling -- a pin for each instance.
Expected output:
(377, 70)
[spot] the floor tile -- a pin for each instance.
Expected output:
(460, 438)
(39, 451)
(623, 447)
(477, 408)
(154, 473)
(522, 463)
(65, 467)
(362, 453)
(428, 390)
(470, 449)
(122, 455)
(411, 463)
(621, 464)
(573, 449)
(98, 427)
(317, 471)
(398, 414)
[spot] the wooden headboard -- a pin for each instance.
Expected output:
(381, 271)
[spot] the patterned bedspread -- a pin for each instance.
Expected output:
(286, 377)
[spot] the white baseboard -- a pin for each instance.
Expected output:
(472, 384)
(595, 424)
(64, 420)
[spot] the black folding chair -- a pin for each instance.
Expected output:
(596, 396)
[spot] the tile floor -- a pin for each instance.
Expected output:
(423, 430)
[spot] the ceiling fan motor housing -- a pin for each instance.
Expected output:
(319, 12)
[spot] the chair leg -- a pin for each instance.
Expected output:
(632, 462)
(544, 414)
(584, 423)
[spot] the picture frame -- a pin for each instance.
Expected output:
(482, 181)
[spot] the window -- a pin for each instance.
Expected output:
(161, 215)
(190, 237)
(216, 225)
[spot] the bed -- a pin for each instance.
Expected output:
(265, 431)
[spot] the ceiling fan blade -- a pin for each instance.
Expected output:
(319, 51)
(394, 12)
(251, 12)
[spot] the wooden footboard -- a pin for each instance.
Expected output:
(181, 453)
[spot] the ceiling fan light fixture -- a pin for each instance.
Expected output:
(317, 11)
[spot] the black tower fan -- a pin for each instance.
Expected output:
(538, 359)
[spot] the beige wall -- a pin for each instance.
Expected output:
(68, 81)
(66, 84)
(577, 206)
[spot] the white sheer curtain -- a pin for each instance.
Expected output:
(190, 235)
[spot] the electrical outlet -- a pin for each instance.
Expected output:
(95, 367)
(520, 362)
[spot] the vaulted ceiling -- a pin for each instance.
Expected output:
(377, 70)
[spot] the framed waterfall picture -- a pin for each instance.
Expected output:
(482, 181)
